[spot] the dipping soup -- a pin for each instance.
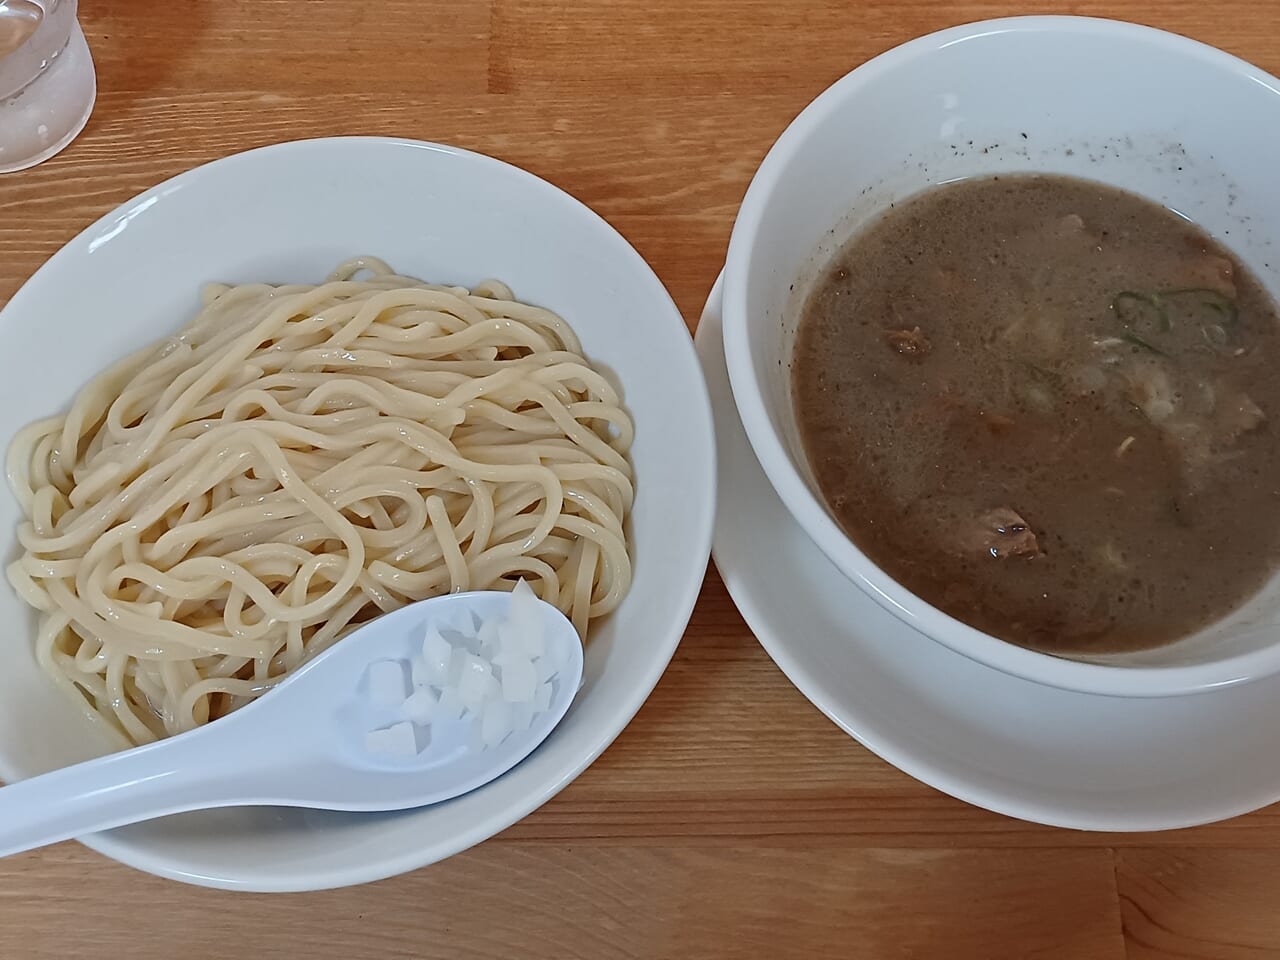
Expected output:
(1042, 405)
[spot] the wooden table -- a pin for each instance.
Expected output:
(731, 819)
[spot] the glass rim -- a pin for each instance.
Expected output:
(34, 56)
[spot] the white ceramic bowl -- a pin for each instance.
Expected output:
(291, 213)
(1158, 114)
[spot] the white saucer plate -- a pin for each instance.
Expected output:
(1007, 744)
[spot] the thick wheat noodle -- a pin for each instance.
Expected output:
(216, 508)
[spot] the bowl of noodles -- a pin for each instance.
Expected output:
(286, 392)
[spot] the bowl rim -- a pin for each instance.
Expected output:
(267, 878)
(806, 507)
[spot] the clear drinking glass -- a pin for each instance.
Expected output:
(47, 83)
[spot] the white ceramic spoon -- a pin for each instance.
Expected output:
(300, 745)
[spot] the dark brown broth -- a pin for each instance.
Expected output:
(1087, 362)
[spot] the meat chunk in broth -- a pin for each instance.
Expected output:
(998, 533)
(909, 343)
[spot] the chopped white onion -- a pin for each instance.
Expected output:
(518, 680)
(421, 705)
(457, 661)
(419, 673)
(450, 705)
(496, 674)
(544, 669)
(399, 739)
(436, 654)
(525, 624)
(473, 685)
(488, 637)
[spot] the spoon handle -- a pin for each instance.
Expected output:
(138, 784)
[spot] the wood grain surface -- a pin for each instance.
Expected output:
(730, 819)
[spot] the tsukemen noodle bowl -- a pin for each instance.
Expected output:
(1002, 332)
(273, 398)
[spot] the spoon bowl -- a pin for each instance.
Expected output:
(313, 740)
